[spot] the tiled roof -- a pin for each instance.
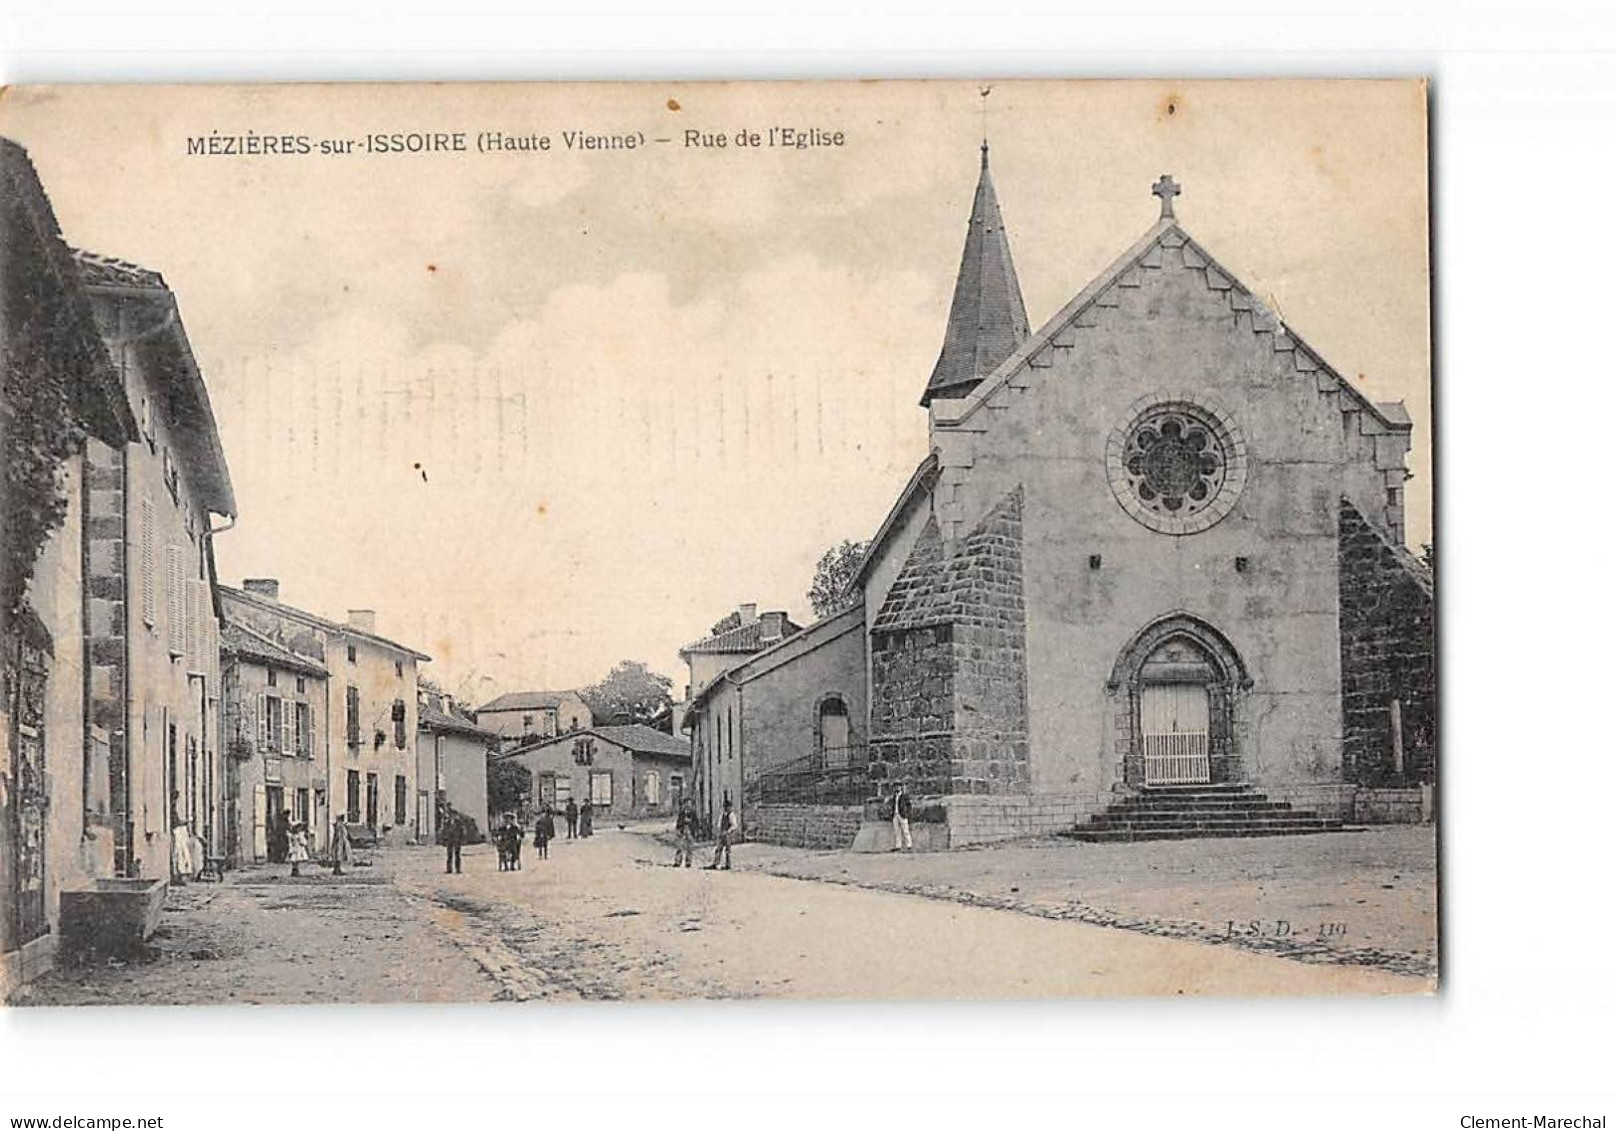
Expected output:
(646, 740)
(105, 271)
(636, 737)
(431, 718)
(987, 319)
(319, 621)
(237, 639)
(526, 701)
(742, 638)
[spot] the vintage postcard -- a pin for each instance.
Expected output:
(872, 540)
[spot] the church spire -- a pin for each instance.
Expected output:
(987, 319)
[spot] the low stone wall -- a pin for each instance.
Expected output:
(1393, 806)
(1333, 800)
(805, 826)
(979, 818)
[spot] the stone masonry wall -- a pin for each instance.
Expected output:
(948, 666)
(1388, 652)
(107, 791)
(805, 826)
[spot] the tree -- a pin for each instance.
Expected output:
(1428, 556)
(510, 785)
(632, 692)
(832, 589)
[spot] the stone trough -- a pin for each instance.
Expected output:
(112, 919)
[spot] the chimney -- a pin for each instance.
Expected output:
(362, 619)
(749, 614)
(269, 587)
(774, 625)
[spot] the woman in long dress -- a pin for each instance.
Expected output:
(341, 846)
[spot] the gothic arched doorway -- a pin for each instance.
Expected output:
(1182, 682)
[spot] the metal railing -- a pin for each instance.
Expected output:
(831, 775)
(1180, 758)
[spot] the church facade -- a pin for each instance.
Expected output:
(1158, 541)
(1156, 549)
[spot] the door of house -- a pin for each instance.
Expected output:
(1175, 721)
(373, 798)
(260, 817)
(25, 809)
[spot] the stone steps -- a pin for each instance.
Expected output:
(1189, 811)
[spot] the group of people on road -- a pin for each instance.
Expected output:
(288, 841)
(687, 827)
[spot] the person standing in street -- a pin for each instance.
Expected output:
(454, 836)
(684, 826)
(901, 839)
(586, 819)
(341, 845)
(298, 847)
(727, 828)
(543, 833)
(280, 831)
(572, 818)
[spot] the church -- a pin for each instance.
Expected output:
(1156, 549)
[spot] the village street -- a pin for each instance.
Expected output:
(608, 919)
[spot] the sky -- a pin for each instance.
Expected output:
(549, 409)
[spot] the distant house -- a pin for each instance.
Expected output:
(366, 768)
(523, 716)
(275, 736)
(452, 765)
(627, 771)
(710, 718)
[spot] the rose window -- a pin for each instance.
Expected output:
(1176, 466)
(1174, 462)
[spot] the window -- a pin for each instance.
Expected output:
(600, 789)
(563, 791)
(676, 786)
(653, 788)
(583, 751)
(305, 737)
(399, 718)
(353, 797)
(353, 654)
(301, 685)
(373, 800)
(527, 724)
(353, 716)
(1176, 467)
(401, 795)
(729, 728)
(275, 721)
(300, 807)
(272, 677)
(398, 668)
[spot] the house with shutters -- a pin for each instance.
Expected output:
(522, 717)
(60, 394)
(152, 637)
(367, 769)
(1151, 566)
(276, 736)
(625, 771)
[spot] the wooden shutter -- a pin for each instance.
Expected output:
(148, 564)
(176, 601)
(263, 721)
(288, 727)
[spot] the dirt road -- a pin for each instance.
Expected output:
(607, 918)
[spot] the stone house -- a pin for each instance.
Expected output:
(60, 386)
(276, 731)
(796, 706)
(520, 717)
(367, 769)
(708, 711)
(451, 765)
(153, 632)
(627, 771)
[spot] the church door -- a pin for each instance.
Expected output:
(1175, 719)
